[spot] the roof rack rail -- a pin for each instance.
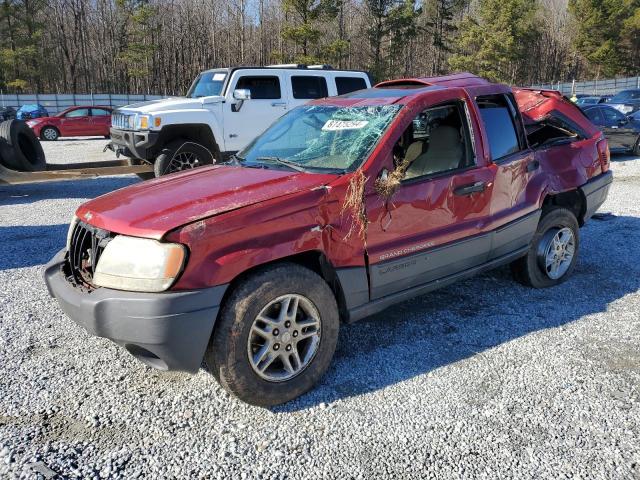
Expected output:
(321, 67)
(288, 65)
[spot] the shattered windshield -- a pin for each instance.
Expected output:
(321, 137)
(207, 84)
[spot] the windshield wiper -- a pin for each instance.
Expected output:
(287, 163)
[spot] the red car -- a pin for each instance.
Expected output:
(73, 122)
(342, 208)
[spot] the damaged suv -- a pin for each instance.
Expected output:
(341, 208)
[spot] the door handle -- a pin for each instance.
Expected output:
(533, 165)
(471, 188)
(278, 104)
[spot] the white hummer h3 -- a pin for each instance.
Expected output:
(224, 109)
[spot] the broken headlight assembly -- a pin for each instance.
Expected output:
(139, 264)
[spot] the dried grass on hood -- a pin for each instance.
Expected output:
(354, 203)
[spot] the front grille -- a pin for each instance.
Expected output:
(86, 246)
(122, 121)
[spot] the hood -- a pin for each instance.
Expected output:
(153, 208)
(165, 104)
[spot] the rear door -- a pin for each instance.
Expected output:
(245, 121)
(514, 215)
(431, 227)
(100, 121)
(305, 86)
(617, 129)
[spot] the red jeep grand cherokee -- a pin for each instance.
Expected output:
(340, 209)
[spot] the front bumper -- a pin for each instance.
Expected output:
(595, 192)
(134, 144)
(167, 331)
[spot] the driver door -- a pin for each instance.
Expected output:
(75, 123)
(617, 129)
(432, 226)
(243, 121)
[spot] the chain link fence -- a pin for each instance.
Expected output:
(55, 103)
(592, 87)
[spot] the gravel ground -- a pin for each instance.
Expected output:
(77, 149)
(484, 379)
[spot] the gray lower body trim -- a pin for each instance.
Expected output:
(380, 304)
(168, 331)
(445, 260)
(595, 192)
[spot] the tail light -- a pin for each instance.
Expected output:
(603, 154)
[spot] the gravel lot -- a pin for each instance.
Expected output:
(485, 378)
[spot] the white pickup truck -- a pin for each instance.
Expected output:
(224, 109)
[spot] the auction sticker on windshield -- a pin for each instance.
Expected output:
(219, 76)
(333, 125)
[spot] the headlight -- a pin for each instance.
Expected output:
(143, 122)
(31, 123)
(139, 264)
(74, 222)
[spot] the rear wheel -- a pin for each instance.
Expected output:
(276, 335)
(49, 134)
(182, 155)
(553, 252)
(636, 149)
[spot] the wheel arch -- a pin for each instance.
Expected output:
(314, 260)
(196, 132)
(574, 200)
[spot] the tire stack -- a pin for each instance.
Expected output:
(20, 149)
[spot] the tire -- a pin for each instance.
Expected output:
(228, 353)
(20, 148)
(49, 134)
(636, 148)
(531, 270)
(182, 155)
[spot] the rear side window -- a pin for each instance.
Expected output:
(349, 84)
(611, 115)
(309, 87)
(97, 112)
(498, 117)
(262, 88)
(594, 115)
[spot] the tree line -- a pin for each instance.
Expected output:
(159, 46)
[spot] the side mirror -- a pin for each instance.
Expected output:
(240, 95)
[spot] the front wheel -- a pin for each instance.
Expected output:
(50, 134)
(553, 252)
(275, 336)
(636, 148)
(182, 155)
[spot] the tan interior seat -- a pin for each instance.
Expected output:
(414, 151)
(445, 153)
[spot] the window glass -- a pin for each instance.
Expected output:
(497, 117)
(262, 88)
(97, 112)
(594, 115)
(611, 115)
(309, 87)
(81, 112)
(625, 96)
(437, 141)
(349, 84)
(208, 84)
(321, 137)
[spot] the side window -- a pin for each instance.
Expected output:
(99, 112)
(309, 87)
(594, 115)
(437, 141)
(349, 84)
(612, 116)
(81, 112)
(499, 123)
(262, 88)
